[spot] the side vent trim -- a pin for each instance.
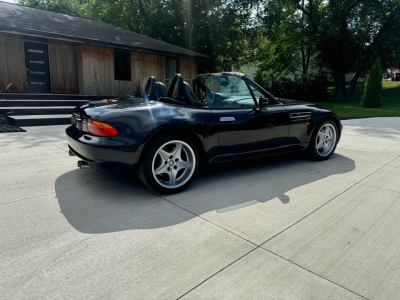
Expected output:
(300, 115)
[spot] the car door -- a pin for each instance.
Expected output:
(242, 126)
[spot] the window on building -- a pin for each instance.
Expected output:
(172, 67)
(122, 65)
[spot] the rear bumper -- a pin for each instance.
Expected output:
(121, 148)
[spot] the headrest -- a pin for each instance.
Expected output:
(161, 90)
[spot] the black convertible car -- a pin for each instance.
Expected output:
(168, 133)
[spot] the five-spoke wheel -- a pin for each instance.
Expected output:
(173, 164)
(170, 164)
(326, 139)
(323, 142)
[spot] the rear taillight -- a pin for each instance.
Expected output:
(101, 129)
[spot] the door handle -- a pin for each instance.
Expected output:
(227, 119)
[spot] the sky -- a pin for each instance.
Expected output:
(11, 1)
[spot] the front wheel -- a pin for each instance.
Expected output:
(170, 164)
(324, 140)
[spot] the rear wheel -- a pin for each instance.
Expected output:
(170, 164)
(324, 140)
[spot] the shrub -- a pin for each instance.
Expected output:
(138, 92)
(259, 78)
(310, 88)
(373, 87)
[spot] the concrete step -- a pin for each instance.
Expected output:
(34, 102)
(37, 110)
(52, 96)
(40, 120)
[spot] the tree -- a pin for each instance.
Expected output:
(259, 78)
(217, 28)
(353, 33)
(68, 7)
(288, 35)
(373, 87)
(339, 36)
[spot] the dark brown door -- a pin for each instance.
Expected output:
(37, 67)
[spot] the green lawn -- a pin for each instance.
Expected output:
(390, 103)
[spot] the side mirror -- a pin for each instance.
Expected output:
(262, 102)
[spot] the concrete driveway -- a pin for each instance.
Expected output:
(276, 228)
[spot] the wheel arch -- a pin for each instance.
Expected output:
(329, 116)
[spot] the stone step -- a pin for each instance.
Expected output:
(57, 97)
(37, 110)
(40, 120)
(34, 103)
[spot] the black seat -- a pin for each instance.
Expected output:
(154, 90)
(207, 93)
(184, 92)
(161, 90)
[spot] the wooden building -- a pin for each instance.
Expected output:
(47, 52)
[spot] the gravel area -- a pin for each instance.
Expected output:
(10, 128)
(5, 127)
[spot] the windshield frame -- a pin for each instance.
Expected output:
(250, 84)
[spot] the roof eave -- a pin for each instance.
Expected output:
(103, 43)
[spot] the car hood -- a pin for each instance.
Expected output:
(295, 103)
(292, 102)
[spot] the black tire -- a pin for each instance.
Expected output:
(145, 167)
(313, 152)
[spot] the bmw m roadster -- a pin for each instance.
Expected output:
(219, 117)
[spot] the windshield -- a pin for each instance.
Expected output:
(226, 91)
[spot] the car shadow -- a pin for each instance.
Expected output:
(124, 203)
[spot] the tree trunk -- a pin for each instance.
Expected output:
(303, 58)
(340, 85)
(353, 84)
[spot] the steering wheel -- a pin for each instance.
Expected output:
(218, 99)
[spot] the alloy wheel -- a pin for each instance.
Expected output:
(326, 139)
(173, 164)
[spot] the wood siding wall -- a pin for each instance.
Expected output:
(96, 71)
(63, 69)
(84, 69)
(188, 68)
(12, 65)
